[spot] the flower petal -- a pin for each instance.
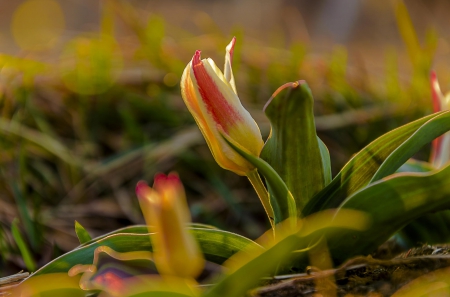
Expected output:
(436, 92)
(216, 96)
(227, 70)
(191, 98)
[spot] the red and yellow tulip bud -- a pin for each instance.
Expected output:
(211, 97)
(176, 251)
(440, 152)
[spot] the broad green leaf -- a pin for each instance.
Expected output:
(279, 255)
(431, 228)
(143, 229)
(426, 133)
(217, 246)
(23, 247)
(281, 199)
(82, 234)
(358, 172)
(250, 274)
(293, 148)
(392, 203)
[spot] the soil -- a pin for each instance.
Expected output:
(366, 276)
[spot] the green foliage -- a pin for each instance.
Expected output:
(23, 247)
(293, 146)
(217, 246)
(360, 170)
(82, 234)
(281, 199)
(392, 203)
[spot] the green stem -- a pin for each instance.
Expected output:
(255, 180)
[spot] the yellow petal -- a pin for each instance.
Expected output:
(175, 250)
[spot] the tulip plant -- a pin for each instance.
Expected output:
(364, 205)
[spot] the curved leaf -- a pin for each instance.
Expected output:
(248, 276)
(281, 199)
(82, 234)
(279, 254)
(358, 172)
(392, 203)
(425, 134)
(432, 228)
(143, 229)
(326, 161)
(293, 148)
(217, 246)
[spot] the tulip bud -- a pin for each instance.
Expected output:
(176, 251)
(440, 152)
(211, 97)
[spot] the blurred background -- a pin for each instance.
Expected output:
(90, 101)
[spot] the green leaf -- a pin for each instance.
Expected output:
(217, 246)
(426, 133)
(143, 229)
(293, 148)
(392, 203)
(326, 161)
(358, 172)
(82, 234)
(250, 274)
(24, 250)
(281, 199)
(431, 228)
(279, 255)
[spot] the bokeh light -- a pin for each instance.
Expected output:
(37, 24)
(89, 65)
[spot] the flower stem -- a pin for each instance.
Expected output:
(263, 195)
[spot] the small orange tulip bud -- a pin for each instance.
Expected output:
(176, 252)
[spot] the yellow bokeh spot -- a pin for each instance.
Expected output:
(170, 79)
(90, 65)
(37, 24)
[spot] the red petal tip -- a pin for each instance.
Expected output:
(197, 58)
(141, 187)
(233, 42)
(173, 175)
(159, 178)
(433, 75)
(230, 47)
